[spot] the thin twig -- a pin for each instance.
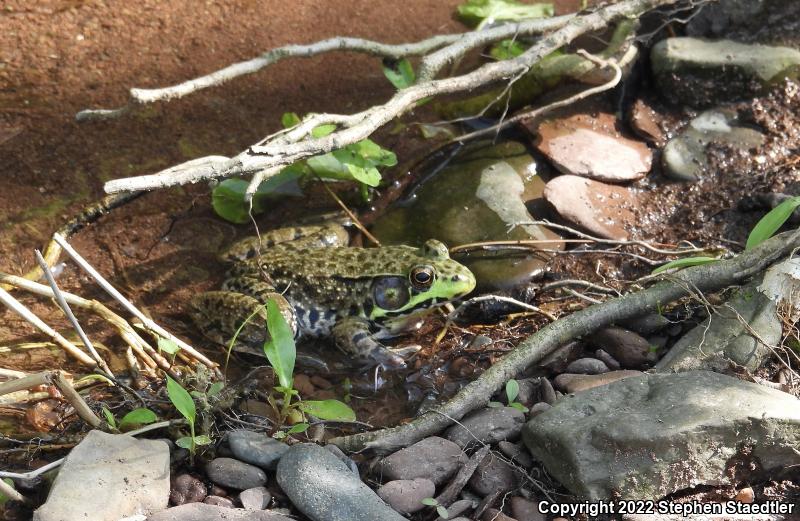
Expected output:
(11, 493)
(374, 240)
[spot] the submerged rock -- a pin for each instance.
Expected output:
(647, 436)
(107, 477)
(685, 158)
(700, 73)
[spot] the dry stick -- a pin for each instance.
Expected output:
(68, 312)
(350, 214)
(277, 153)
(57, 379)
(28, 315)
(709, 277)
(11, 493)
(451, 491)
(149, 324)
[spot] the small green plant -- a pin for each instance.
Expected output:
(3, 498)
(684, 263)
(184, 403)
(478, 13)
(440, 509)
(512, 392)
(399, 72)
(134, 419)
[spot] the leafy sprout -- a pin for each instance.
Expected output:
(479, 13)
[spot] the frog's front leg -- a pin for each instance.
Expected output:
(352, 335)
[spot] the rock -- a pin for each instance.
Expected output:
(684, 156)
(219, 501)
(107, 477)
(488, 425)
(547, 392)
(746, 495)
(433, 458)
(206, 512)
(492, 474)
(646, 324)
(573, 383)
(632, 351)
(232, 473)
(692, 424)
(405, 495)
(526, 510)
(607, 359)
(601, 209)
(645, 122)
(492, 514)
(700, 73)
(186, 488)
(489, 188)
(528, 391)
(336, 451)
(256, 448)
(558, 360)
(458, 508)
(537, 409)
(257, 498)
(723, 338)
(591, 146)
(516, 453)
(587, 366)
(325, 489)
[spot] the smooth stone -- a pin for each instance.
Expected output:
(406, 495)
(548, 393)
(433, 458)
(587, 366)
(700, 72)
(219, 501)
(537, 409)
(206, 512)
(257, 498)
(696, 421)
(631, 350)
(591, 146)
(684, 157)
(232, 473)
(186, 488)
(558, 360)
(458, 508)
(607, 359)
(601, 209)
(516, 453)
(256, 448)
(323, 488)
(488, 425)
(526, 510)
(528, 391)
(107, 477)
(339, 453)
(644, 121)
(573, 383)
(646, 324)
(491, 475)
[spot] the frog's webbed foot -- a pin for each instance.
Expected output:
(352, 335)
(318, 236)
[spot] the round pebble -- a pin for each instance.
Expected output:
(232, 473)
(405, 495)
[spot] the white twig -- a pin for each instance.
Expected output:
(11, 493)
(149, 324)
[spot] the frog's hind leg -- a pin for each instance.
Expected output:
(296, 237)
(352, 335)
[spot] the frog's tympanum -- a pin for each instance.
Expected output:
(324, 288)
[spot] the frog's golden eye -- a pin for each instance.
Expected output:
(422, 277)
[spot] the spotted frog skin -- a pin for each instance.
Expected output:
(324, 288)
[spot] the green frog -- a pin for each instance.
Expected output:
(326, 289)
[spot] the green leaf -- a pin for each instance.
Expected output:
(296, 429)
(323, 130)
(215, 388)
(429, 501)
(442, 511)
(328, 410)
(227, 198)
(140, 416)
(280, 348)
(506, 49)
(374, 153)
(512, 390)
(279, 435)
(476, 13)
(369, 175)
(168, 346)
(771, 223)
(494, 404)
(112, 422)
(181, 399)
(290, 119)
(185, 443)
(203, 439)
(400, 73)
(518, 406)
(684, 263)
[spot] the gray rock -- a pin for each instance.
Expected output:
(528, 391)
(517, 453)
(107, 477)
(257, 498)
(587, 366)
(526, 510)
(336, 451)
(206, 512)
(488, 425)
(492, 514)
(684, 156)
(219, 501)
(547, 391)
(557, 361)
(632, 351)
(648, 436)
(700, 73)
(492, 474)
(325, 489)
(232, 473)
(256, 448)
(406, 495)
(607, 359)
(186, 488)
(728, 336)
(458, 508)
(573, 383)
(538, 409)
(646, 324)
(433, 458)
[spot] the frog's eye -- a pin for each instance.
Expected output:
(422, 277)
(390, 293)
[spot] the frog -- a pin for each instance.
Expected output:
(324, 288)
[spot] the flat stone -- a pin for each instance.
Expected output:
(526, 510)
(488, 425)
(219, 501)
(587, 366)
(256, 448)
(700, 72)
(631, 350)
(406, 495)
(538, 408)
(492, 474)
(107, 477)
(573, 383)
(232, 473)
(648, 436)
(433, 458)
(206, 512)
(591, 146)
(517, 453)
(257, 498)
(323, 488)
(601, 209)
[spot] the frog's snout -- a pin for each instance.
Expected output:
(463, 283)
